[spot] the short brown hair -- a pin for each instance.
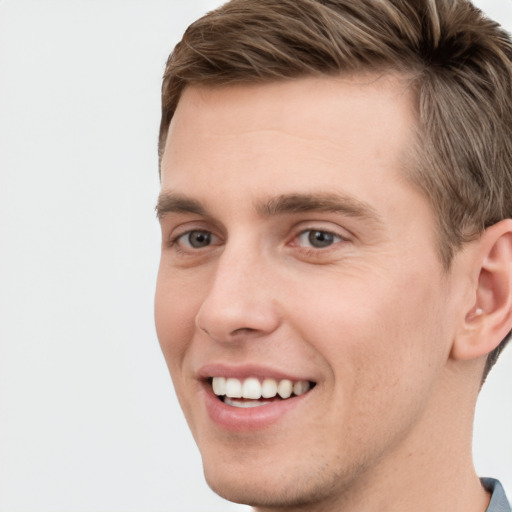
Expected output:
(459, 63)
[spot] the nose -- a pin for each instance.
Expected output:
(240, 303)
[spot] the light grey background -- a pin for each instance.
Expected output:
(88, 418)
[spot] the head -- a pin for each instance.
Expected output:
(241, 72)
(459, 64)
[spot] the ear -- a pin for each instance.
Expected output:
(489, 318)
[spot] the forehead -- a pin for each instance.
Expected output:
(351, 132)
(331, 108)
(345, 129)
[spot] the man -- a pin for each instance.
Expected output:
(336, 270)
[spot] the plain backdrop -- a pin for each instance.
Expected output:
(88, 417)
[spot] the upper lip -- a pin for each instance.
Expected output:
(249, 370)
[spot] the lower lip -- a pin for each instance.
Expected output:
(238, 419)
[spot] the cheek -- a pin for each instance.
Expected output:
(377, 335)
(174, 320)
(175, 313)
(383, 351)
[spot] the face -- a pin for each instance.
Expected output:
(297, 260)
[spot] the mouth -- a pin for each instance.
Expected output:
(254, 392)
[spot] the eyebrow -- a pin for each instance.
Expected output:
(170, 202)
(319, 202)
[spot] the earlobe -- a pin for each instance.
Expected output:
(489, 319)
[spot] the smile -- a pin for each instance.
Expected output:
(251, 392)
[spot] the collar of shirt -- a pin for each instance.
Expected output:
(499, 502)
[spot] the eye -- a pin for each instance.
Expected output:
(196, 239)
(317, 239)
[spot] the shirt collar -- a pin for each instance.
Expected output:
(499, 502)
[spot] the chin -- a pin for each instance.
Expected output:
(243, 493)
(271, 486)
(252, 492)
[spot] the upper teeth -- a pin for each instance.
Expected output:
(254, 389)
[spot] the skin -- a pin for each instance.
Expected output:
(371, 318)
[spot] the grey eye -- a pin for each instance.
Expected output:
(198, 239)
(317, 238)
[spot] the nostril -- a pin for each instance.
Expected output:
(243, 331)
